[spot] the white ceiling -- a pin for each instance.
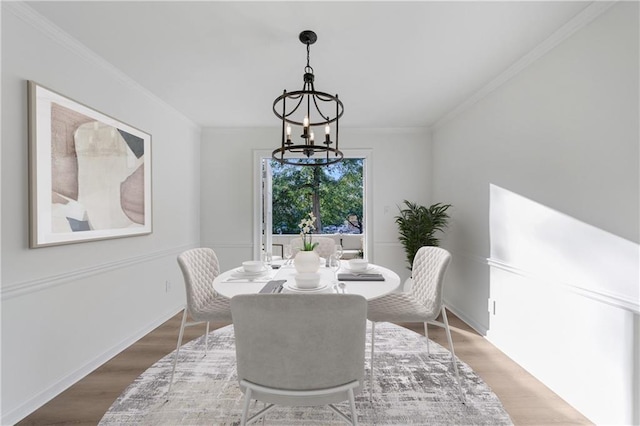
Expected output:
(394, 64)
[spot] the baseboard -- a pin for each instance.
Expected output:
(46, 395)
(479, 328)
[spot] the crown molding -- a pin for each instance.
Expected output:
(583, 18)
(30, 16)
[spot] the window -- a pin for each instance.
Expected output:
(333, 193)
(336, 194)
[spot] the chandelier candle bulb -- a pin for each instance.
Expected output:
(305, 127)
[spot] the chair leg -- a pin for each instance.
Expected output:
(352, 403)
(260, 415)
(453, 354)
(175, 358)
(373, 341)
(426, 334)
(206, 340)
(245, 408)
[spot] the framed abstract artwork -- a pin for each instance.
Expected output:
(89, 174)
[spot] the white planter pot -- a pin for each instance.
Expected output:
(307, 261)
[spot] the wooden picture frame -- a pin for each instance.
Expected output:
(89, 174)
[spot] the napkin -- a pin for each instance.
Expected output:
(271, 286)
(357, 277)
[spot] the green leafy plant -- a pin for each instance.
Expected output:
(418, 226)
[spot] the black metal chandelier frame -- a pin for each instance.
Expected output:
(315, 102)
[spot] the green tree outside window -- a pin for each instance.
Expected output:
(334, 194)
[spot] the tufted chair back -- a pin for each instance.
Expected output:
(199, 267)
(429, 268)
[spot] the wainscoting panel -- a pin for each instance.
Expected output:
(57, 329)
(579, 344)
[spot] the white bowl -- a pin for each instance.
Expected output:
(252, 266)
(358, 265)
(308, 280)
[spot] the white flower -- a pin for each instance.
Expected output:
(306, 228)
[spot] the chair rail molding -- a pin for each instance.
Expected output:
(31, 286)
(388, 243)
(616, 300)
(228, 244)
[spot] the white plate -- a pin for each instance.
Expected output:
(294, 288)
(240, 272)
(370, 269)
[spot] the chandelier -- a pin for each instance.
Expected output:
(308, 109)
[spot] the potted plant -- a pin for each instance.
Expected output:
(307, 260)
(418, 226)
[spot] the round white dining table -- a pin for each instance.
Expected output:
(231, 283)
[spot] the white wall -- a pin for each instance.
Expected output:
(543, 174)
(400, 163)
(67, 309)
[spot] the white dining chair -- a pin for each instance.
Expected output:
(422, 303)
(299, 350)
(199, 268)
(325, 248)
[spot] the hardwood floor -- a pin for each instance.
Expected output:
(527, 401)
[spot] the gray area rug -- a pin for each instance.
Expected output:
(410, 389)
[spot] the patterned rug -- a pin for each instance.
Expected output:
(410, 389)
